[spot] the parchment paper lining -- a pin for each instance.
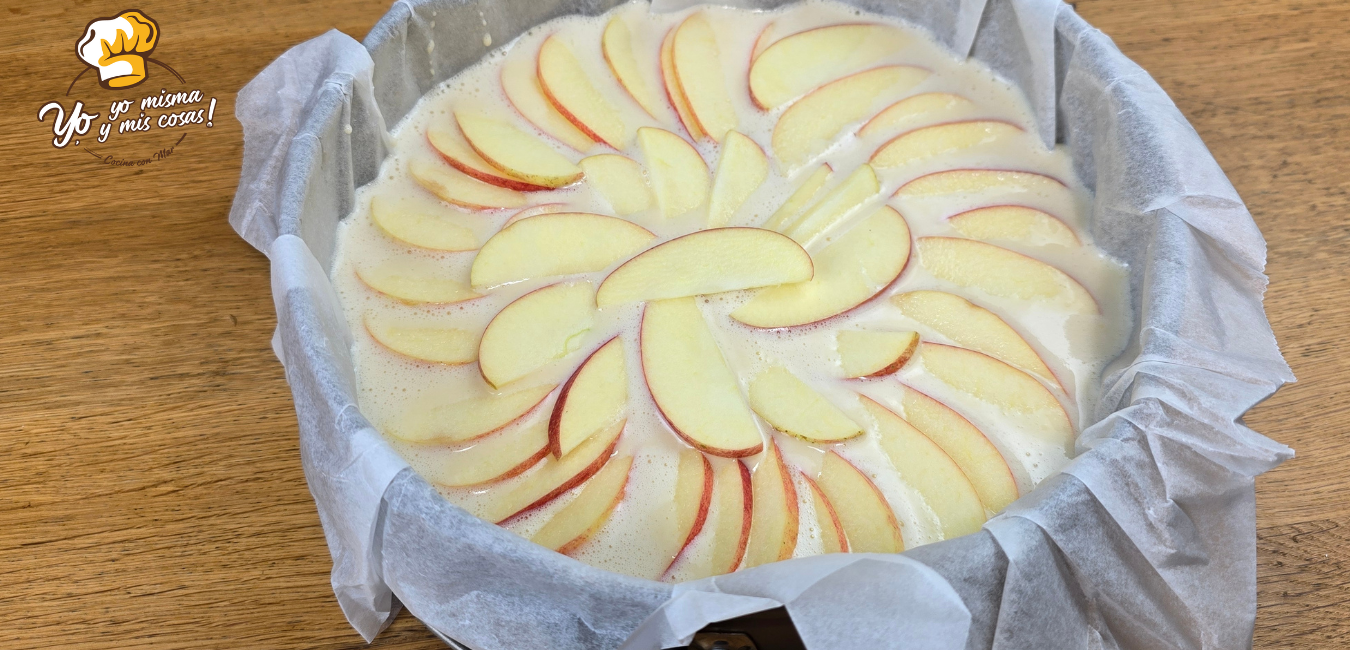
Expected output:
(1146, 540)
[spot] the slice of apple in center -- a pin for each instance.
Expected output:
(690, 381)
(535, 330)
(795, 408)
(707, 261)
(594, 397)
(849, 272)
(562, 243)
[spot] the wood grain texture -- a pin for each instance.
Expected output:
(150, 487)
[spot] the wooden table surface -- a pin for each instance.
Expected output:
(150, 486)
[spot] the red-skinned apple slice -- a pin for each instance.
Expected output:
(809, 126)
(966, 445)
(698, 69)
(773, 523)
(974, 327)
(535, 330)
(562, 243)
(454, 187)
(431, 420)
(520, 82)
(690, 381)
(866, 516)
(1014, 222)
(1004, 182)
(447, 345)
(672, 85)
(832, 535)
(912, 112)
(497, 457)
(802, 196)
(413, 283)
(570, 90)
(420, 227)
(515, 152)
(551, 478)
(455, 150)
(1002, 385)
(873, 354)
(579, 520)
(620, 181)
(929, 470)
(795, 408)
(617, 45)
(796, 64)
(691, 500)
(593, 398)
(679, 175)
(707, 261)
(929, 141)
(733, 496)
(740, 171)
(1003, 273)
(857, 266)
(837, 205)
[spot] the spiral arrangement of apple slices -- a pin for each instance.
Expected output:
(834, 244)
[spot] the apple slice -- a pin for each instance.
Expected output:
(858, 188)
(913, 112)
(620, 181)
(873, 354)
(551, 478)
(798, 63)
(939, 139)
(740, 171)
(679, 175)
(672, 85)
(455, 150)
(534, 211)
(690, 381)
(862, 263)
(431, 420)
(1013, 222)
(418, 227)
(414, 283)
(773, 523)
(867, 518)
(1002, 182)
(569, 89)
(966, 445)
(617, 45)
(515, 152)
(570, 527)
(537, 329)
(925, 467)
(1002, 385)
(497, 457)
(794, 408)
(730, 523)
(591, 400)
(974, 327)
(762, 42)
(446, 345)
(809, 126)
(453, 187)
(800, 197)
(832, 535)
(707, 261)
(520, 82)
(1004, 273)
(562, 243)
(691, 499)
(698, 69)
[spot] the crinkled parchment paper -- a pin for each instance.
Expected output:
(1146, 540)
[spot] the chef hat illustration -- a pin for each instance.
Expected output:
(118, 47)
